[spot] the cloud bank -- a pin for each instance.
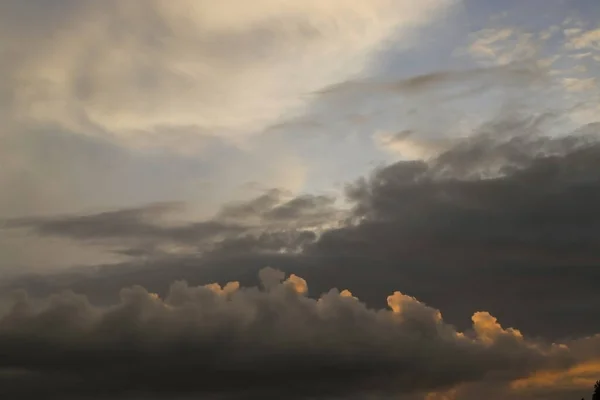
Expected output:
(506, 218)
(267, 341)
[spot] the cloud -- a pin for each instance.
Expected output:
(487, 194)
(410, 147)
(438, 107)
(496, 220)
(230, 340)
(504, 218)
(131, 71)
(274, 221)
(583, 375)
(504, 74)
(502, 46)
(583, 40)
(276, 207)
(49, 172)
(137, 224)
(567, 84)
(580, 84)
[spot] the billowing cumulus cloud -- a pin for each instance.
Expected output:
(270, 341)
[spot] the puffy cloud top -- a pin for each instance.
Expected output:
(217, 339)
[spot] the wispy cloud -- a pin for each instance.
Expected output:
(128, 70)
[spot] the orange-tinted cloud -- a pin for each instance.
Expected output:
(582, 375)
(276, 338)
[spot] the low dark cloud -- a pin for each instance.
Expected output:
(505, 221)
(490, 197)
(274, 342)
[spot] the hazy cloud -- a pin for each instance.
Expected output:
(502, 46)
(274, 221)
(408, 145)
(494, 75)
(127, 71)
(583, 40)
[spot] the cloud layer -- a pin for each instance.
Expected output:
(490, 218)
(132, 127)
(157, 73)
(272, 341)
(276, 220)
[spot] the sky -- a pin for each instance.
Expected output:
(285, 199)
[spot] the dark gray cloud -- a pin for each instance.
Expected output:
(277, 207)
(487, 196)
(135, 222)
(506, 221)
(133, 230)
(254, 207)
(274, 221)
(305, 206)
(272, 342)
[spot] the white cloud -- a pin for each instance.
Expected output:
(407, 146)
(126, 69)
(501, 46)
(579, 40)
(572, 85)
(580, 56)
(579, 84)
